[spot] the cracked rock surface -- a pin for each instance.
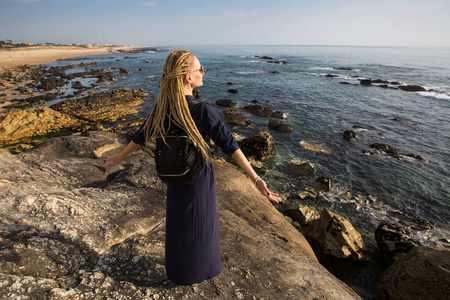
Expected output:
(71, 229)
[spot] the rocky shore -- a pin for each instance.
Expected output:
(72, 229)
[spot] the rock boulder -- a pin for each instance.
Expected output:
(423, 273)
(71, 229)
(337, 236)
(260, 145)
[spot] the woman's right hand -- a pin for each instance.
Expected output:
(113, 160)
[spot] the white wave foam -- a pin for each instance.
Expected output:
(437, 95)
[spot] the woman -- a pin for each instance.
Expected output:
(192, 231)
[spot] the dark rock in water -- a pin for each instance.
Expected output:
(78, 86)
(304, 168)
(196, 94)
(345, 83)
(235, 118)
(380, 81)
(226, 102)
(124, 71)
(423, 273)
(275, 72)
(395, 83)
(331, 75)
(389, 150)
(258, 110)
(233, 91)
(130, 57)
(278, 62)
(412, 88)
(349, 135)
(255, 101)
(275, 124)
(323, 184)
(264, 57)
(392, 240)
(260, 145)
(343, 69)
(278, 114)
(366, 82)
(230, 83)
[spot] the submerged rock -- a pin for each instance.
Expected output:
(235, 118)
(226, 102)
(304, 168)
(275, 124)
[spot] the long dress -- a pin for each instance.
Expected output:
(192, 230)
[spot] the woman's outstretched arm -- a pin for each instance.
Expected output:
(242, 161)
(116, 159)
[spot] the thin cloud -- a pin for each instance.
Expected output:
(239, 14)
(149, 3)
(25, 1)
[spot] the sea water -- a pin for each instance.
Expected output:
(318, 88)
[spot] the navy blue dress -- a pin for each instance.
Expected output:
(192, 229)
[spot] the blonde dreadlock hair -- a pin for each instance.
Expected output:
(171, 105)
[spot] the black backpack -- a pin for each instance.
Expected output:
(178, 160)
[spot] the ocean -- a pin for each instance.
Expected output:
(318, 88)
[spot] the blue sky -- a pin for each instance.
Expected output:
(203, 22)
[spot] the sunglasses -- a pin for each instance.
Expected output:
(202, 70)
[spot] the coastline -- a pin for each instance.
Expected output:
(45, 54)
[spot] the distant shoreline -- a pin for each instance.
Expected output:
(45, 54)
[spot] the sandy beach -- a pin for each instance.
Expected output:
(40, 55)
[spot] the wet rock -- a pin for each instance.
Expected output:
(233, 91)
(302, 214)
(338, 237)
(226, 102)
(124, 71)
(343, 69)
(412, 88)
(323, 184)
(235, 118)
(78, 86)
(34, 122)
(311, 146)
(304, 168)
(393, 241)
(423, 273)
(260, 111)
(275, 124)
(386, 149)
(275, 72)
(197, 95)
(366, 82)
(307, 193)
(261, 145)
(349, 135)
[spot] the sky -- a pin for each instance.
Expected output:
(233, 22)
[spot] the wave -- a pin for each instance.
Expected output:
(435, 94)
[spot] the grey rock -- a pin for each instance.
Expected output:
(71, 229)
